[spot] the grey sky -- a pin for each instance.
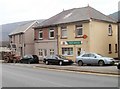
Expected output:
(22, 10)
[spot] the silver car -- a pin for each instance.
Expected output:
(93, 58)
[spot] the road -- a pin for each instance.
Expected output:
(18, 76)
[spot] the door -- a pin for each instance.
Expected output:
(78, 51)
(44, 52)
(21, 51)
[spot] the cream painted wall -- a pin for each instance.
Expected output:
(99, 39)
(71, 37)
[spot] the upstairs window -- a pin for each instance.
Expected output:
(110, 30)
(51, 33)
(20, 37)
(79, 30)
(64, 32)
(40, 34)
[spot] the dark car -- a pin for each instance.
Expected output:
(118, 66)
(29, 59)
(57, 59)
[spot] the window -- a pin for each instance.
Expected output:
(110, 50)
(13, 39)
(79, 30)
(91, 55)
(40, 52)
(116, 48)
(110, 30)
(40, 34)
(67, 51)
(63, 32)
(51, 51)
(20, 39)
(51, 33)
(85, 55)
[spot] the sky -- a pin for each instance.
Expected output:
(23, 10)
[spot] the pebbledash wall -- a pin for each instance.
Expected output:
(97, 39)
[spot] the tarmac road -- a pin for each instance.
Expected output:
(21, 76)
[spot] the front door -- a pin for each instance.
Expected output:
(44, 52)
(78, 51)
(21, 51)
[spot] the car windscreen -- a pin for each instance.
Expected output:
(62, 57)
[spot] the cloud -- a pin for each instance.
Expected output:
(18, 10)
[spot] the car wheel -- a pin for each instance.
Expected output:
(60, 63)
(46, 62)
(101, 63)
(80, 63)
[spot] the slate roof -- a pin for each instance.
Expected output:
(116, 16)
(23, 27)
(74, 15)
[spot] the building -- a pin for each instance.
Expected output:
(45, 40)
(116, 16)
(83, 30)
(22, 38)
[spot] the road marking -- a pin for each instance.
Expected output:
(110, 75)
(58, 70)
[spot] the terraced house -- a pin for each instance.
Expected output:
(78, 30)
(22, 38)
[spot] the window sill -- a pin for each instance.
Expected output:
(110, 52)
(109, 35)
(79, 37)
(68, 55)
(63, 37)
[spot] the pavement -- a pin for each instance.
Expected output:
(110, 70)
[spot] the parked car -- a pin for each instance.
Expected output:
(93, 58)
(29, 59)
(118, 66)
(57, 59)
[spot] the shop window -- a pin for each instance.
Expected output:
(51, 33)
(67, 51)
(51, 51)
(79, 30)
(110, 49)
(40, 34)
(64, 32)
(110, 30)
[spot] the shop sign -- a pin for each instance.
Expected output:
(74, 42)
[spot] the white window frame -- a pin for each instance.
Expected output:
(52, 51)
(51, 30)
(39, 34)
(110, 30)
(40, 52)
(62, 30)
(78, 27)
(68, 51)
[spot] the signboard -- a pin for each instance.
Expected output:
(74, 42)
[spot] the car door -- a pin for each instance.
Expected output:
(93, 58)
(85, 58)
(55, 60)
